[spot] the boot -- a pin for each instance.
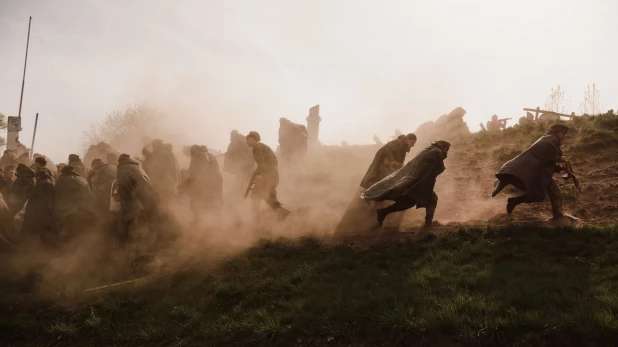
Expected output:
(382, 213)
(511, 204)
(428, 221)
(498, 188)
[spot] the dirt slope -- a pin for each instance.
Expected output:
(319, 189)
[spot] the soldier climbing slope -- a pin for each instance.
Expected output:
(265, 178)
(412, 185)
(388, 159)
(532, 171)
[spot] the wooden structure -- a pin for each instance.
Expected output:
(548, 115)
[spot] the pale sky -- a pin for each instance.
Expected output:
(373, 66)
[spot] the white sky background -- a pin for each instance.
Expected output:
(373, 66)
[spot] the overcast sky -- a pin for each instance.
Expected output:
(373, 66)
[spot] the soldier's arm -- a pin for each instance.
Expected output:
(258, 154)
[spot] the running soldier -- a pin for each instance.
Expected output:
(265, 178)
(412, 185)
(532, 171)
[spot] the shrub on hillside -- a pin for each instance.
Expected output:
(606, 121)
(593, 137)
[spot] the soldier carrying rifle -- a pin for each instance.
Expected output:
(532, 171)
(265, 178)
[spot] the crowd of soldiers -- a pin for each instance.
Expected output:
(48, 204)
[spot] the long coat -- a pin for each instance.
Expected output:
(22, 189)
(73, 195)
(106, 175)
(532, 170)
(39, 219)
(239, 157)
(205, 183)
(135, 190)
(395, 150)
(415, 180)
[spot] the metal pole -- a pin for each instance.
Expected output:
(23, 81)
(36, 121)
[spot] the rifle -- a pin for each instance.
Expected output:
(501, 119)
(571, 175)
(250, 186)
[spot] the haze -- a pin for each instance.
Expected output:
(373, 66)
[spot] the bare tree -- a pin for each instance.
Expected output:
(120, 127)
(592, 101)
(557, 102)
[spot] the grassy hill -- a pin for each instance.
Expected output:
(469, 283)
(495, 286)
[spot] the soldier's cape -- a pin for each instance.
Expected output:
(532, 170)
(393, 150)
(414, 180)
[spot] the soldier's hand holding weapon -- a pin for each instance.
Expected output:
(569, 174)
(251, 183)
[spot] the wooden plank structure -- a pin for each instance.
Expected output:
(548, 115)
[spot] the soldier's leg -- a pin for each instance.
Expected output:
(523, 199)
(556, 198)
(401, 204)
(431, 209)
(277, 206)
(256, 199)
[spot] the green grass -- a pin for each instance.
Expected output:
(507, 286)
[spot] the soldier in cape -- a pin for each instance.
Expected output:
(412, 185)
(532, 171)
(204, 184)
(388, 159)
(239, 161)
(73, 203)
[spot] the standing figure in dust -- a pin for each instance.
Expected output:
(162, 168)
(74, 203)
(76, 162)
(105, 174)
(239, 161)
(412, 185)
(140, 202)
(40, 223)
(22, 188)
(204, 185)
(532, 171)
(265, 178)
(388, 159)
(292, 140)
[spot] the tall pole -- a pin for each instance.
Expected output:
(23, 81)
(36, 121)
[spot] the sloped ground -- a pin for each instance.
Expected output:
(321, 188)
(476, 287)
(478, 279)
